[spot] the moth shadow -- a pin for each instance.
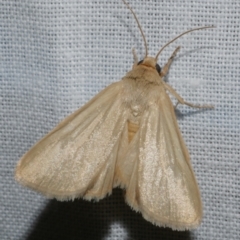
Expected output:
(110, 218)
(136, 39)
(189, 52)
(182, 114)
(185, 54)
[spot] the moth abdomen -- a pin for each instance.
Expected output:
(132, 129)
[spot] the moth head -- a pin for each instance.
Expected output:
(150, 62)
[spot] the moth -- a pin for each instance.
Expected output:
(127, 136)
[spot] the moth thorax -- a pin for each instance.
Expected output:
(132, 129)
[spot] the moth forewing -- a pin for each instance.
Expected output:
(57, 163)
(126, 136)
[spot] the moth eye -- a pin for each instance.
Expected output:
(140, 62)
(158, 68)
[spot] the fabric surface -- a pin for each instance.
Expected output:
(56, 55)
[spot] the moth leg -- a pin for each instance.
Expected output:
(169, 62)
(135, 57)
(181, 100)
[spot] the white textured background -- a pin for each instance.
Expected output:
(56, 55)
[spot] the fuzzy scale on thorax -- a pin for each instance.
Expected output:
(142, 87)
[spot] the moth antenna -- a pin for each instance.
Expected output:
(191, 30)
(135, 57)
(139, 26)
